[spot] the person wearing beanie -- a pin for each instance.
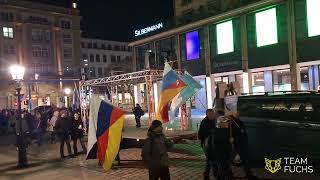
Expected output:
(155, 152)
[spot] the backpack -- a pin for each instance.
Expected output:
(218, 141)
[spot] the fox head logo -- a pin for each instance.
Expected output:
(272, 165)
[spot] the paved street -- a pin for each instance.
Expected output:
(187, 162)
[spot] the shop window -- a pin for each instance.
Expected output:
(266, 27)
(258, 82)
(304, 75)
(281, 80)
(313, 13)
(225, 37)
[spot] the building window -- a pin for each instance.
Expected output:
(113, 59)
(104, 58)
(313, 15)
(68, 69)
(105, 70)
(38, 51)
(40, 35)
(103, 46)
(92, 72)
(91, 58)
(67, 53)
(7, 32)
(89, 45)
(109, 47)
(45, 52)
(186, 2)
(304, 75)
(74, 5)
(67, 38)
(99, 71)
(4, 16)
(38, 20)
(65, 24)
(281, 80)
(83, 45)
(9, 50)
(97, 58)
(118, 59)
(225, 37)
(266, 27)
(258, 82)
(95, 46)
(117, 47)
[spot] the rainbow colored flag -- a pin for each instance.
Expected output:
(105, 130)
(171, 86)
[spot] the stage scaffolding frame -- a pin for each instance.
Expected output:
(149, 77)
(146, 76)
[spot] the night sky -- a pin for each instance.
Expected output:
(117, 19)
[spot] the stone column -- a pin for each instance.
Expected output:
(247, 76)
(292, 46)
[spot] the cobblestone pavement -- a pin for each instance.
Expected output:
(186, 163)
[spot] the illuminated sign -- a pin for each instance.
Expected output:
(148, 29)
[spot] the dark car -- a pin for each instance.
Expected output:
(282, 124)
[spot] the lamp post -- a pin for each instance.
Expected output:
(17, 73)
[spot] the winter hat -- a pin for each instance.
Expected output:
(155, 124)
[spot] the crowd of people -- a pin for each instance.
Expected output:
(47, 125)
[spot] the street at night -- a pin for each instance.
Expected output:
(159, 89)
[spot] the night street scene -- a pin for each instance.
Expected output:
(159, 89)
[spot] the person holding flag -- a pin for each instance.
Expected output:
(105, 132)
(171, 86)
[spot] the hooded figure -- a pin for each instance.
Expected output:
(155, 152)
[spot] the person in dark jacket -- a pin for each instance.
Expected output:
(220, 148)
(207, 127)
(155, 152)
(78, 133)
(241, 143)
(138, 112)
(64, 128)
(38, 131)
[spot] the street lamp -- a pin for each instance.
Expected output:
(67, 91)
(17, 73)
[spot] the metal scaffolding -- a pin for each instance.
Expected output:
(147, 76)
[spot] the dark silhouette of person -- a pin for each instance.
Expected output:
(138, 112)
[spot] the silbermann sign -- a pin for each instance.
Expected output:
(148, 29)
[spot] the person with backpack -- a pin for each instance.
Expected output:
(206, 129)
(219, 149)
(155, 152)
(138, 112)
